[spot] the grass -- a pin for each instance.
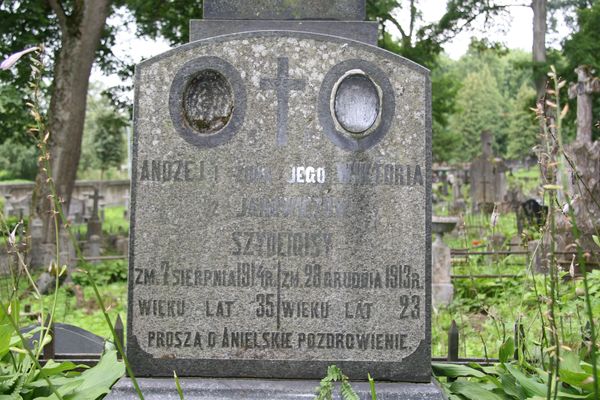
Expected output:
(95, 174)
(11, 181)
(86, 314)
(114, 221)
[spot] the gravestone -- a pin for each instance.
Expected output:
(583, 185)
(280, 216)
(16, 207)
(70, 339)
(77, 210)
(93, 248)
(94, 224)
(441, 256)
(458, 202)
(583, 90)
(7, 207)
(41, 254)
(488, 178)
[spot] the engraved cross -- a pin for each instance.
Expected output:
(282, 85)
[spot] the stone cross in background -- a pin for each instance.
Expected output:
(488, 178)
(584, 184)
(94, 224)
(96, 197)
(582, 90)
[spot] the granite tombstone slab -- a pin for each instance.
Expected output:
(352, 10)
(362, 31)
(280, 210)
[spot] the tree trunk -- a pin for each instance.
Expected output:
(540, 11)
(81, 32)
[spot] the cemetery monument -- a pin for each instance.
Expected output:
(488, 177)
(280, 208)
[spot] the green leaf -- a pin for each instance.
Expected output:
(455, 370)
(178, 385)
(54, 368)
(509, 385)
(552, 187)
(507, 350)
(572, 373)
(372, 387)
(91, 384)
(596, 240)
(98, 380)
(570, 362)
(530, 385)
(65, 390)
(473, 391)
(347, 392)
(6, 332)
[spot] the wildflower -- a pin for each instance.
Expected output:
(494, 218)
(475, 242)
(12, 60)
(572, 267)
(12, 236)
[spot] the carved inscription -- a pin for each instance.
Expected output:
(289, 239)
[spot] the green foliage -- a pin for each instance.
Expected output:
(522, 130)
(108, 140)
(444, 86)
(104, 273)
(480, 107)
(103, 145)
(169, 19)
(488, 88)
(178, 386)
(422, 43)
(325, 389)
(13, 114)
(18, 161)
(372, 387)
(21, 379)
(582, 47)
(514, 380)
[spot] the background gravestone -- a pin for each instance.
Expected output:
(281, 212)
(488, 177)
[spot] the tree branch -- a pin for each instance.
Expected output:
(393, 20)
(60, 14)
(413, 16)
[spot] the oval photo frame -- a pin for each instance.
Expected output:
(331, 127)
(178, 91)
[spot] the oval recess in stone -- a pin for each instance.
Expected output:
(357, 103)
(208, 102)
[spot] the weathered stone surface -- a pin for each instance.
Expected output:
(442, 288)
(252, 389)
(349, 10)
(281, 243)
(584, 193)
(361, 31)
